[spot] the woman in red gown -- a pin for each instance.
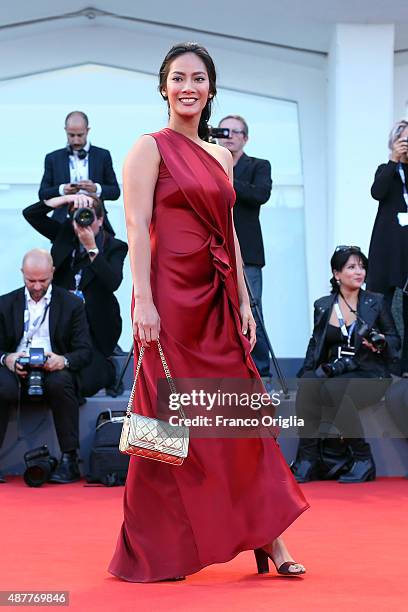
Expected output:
(229, 495)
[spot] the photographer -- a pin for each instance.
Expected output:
(388, 254)
(89, 262)
(42, 316)
(78, 168)
(252, 185)
(354, 341)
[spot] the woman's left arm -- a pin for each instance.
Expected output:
(248, 321)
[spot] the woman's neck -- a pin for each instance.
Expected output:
(187, 127)
(350, 295)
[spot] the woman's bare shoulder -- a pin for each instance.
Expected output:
(220, 153)
(144, 150)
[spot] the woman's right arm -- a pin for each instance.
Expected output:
(385, 172)
(383, 180)
(140, 175)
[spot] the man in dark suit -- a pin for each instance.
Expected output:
(252, 184)
(41, 315)
(89, 262)
(78, 168)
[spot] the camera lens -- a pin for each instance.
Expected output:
(39, 466)
(84, 216)
(37, 475)
(339, 366)
(35, 383)
(377, 340)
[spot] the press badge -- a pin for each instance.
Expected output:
(402, 218)
(346, 351)
(78, 293)
(77, 290)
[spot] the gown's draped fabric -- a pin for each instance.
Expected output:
(229, 495)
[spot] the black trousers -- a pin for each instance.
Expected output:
(260, 353)
(98, 374)
(59, 392)
(331, 405)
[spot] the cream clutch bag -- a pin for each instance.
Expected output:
(153, 438)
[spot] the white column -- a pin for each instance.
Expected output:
(360, 116)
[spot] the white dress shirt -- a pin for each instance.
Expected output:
(79, 171)
(34, 313)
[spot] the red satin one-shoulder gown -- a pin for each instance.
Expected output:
(229, 495)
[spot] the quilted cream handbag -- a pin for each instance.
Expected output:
(153, 438)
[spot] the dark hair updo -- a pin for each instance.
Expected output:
(202, 53)
(339, 259)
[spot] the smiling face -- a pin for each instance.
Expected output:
(187, 86)
(352, 275)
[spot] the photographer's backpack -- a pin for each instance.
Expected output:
(107, 465)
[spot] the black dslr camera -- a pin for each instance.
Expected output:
(33, 363)
(341, 365)
(345, 361)
(217, 132)
(373, 336)
(39, 466)
(84, 216)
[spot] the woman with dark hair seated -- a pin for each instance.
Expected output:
(354, 341)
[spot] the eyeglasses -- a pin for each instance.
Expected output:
(237, 132)
(346, 247)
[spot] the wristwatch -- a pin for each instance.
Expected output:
(93, 252)
(66, 363)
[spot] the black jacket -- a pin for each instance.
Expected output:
(69, 333)
(100, 278)
(100, 170)
(253, 185)
(375, 312)
(388, 254)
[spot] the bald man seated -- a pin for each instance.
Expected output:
(41, 315)
(79, 168)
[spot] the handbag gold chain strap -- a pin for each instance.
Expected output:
(166, 371)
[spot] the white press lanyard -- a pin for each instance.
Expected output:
(77, 279)
(347, 333)
(28, 335)
(78, 275)
(404, 184)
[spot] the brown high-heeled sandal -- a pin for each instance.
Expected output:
(261, 557)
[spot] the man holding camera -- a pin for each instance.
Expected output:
(78, 168)
(44, 343)
(252, 184)
(89, 262)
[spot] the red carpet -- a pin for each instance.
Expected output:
(353, 541)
